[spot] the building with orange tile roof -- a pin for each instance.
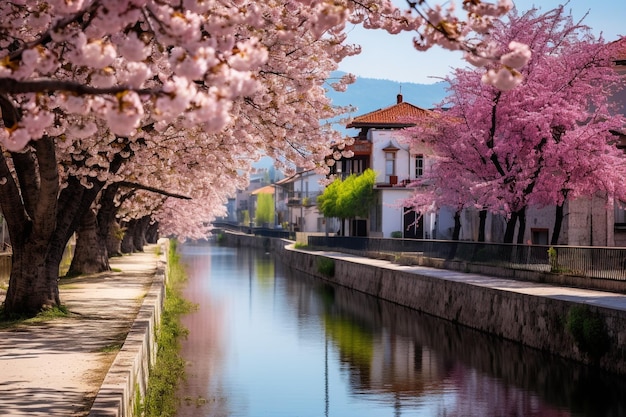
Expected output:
(379, 145)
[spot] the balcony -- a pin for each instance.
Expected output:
(395, 183)
(297, 199)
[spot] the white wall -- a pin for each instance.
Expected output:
(392, 214)
(380, 139)
(308, 181)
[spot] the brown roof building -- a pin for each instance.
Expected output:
(397, 116)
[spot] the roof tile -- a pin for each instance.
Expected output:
(399, 115)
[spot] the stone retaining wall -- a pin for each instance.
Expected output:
(535, 321)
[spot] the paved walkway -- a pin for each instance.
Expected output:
(56, 368)
(612, 300)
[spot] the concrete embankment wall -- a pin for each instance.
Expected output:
(126, 382)
(536, 321)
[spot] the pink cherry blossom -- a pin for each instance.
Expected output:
(178, 98)
(547, 140)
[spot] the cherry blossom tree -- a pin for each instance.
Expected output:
(539, 144)
(177, 96)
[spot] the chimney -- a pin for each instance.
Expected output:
(399, 98)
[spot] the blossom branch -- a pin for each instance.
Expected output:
(12, 86)
(128, 184)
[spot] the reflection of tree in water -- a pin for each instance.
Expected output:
(354, 343)
(264, 271)
(411, 354)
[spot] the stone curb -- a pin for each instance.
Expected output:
(126, 381)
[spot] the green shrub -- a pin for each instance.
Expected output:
(326, 267)
(396, 235)
(588, 330)
(552, 257)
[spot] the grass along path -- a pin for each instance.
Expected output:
(169, 369)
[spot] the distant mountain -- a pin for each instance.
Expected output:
(369, 94)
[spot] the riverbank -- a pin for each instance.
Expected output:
(584, 325)
(92, 362)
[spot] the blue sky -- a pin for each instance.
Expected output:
(392, 57)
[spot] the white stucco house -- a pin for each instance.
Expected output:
(296, 203)
(377, 146)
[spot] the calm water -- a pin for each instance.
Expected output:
(269, 342)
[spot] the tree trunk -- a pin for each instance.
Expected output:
(510, 228)
(139, 233)
(557, 225)
(41, 218)
(482, 225)
(114, 239)
(128, 241)
(109, 231)
(90, 255)
(457, 225)
(33, 285)
(521, 215)
(152, 234)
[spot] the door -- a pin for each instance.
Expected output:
(413, 230)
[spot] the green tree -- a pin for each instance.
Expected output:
(349, 198)
(327, 202)
(357, 194)
(264, 208)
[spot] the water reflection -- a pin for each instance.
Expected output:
(268, 341)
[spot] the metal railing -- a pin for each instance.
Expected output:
(582, 261)
(252, 230)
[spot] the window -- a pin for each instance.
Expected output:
(353, 166)
(419, 165)
(390, 165)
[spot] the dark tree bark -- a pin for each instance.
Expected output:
(136, 233)
(509, 233)
(109, 229)
(40, 219)
(114, 239)
(152, 234)
(556, 233)
(40, 222)
(457, 225)
(522, 226)
(90, 254)
(128, 241)
(139, 233)
(482, 225)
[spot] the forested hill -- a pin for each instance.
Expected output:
(369, 94)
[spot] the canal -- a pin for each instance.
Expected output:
(267, 341)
